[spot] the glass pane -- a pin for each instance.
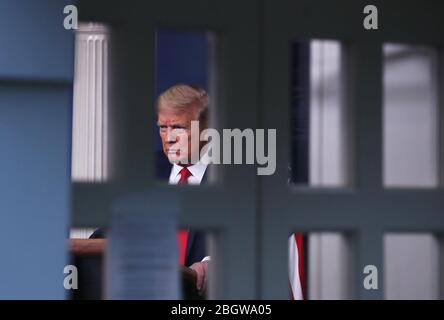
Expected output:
(410, 116)
(320, 266)
(411, 269)
(319, 156)
(183, 83)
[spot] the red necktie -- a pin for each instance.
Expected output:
(182, 235)
(184, 174)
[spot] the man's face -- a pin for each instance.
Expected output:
(175, 132)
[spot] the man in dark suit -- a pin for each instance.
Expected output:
(176, 108)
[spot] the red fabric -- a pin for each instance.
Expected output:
(182, 235)
(182, 239)
(299, 237)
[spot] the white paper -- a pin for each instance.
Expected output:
(142, 249)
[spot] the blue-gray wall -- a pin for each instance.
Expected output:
(36, 72)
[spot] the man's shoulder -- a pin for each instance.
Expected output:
(99, 233)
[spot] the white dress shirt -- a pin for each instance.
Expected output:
(197, 172)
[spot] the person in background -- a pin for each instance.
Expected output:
(176, 108)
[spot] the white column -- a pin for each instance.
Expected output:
(90, 108)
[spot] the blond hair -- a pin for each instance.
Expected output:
(184, 98)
